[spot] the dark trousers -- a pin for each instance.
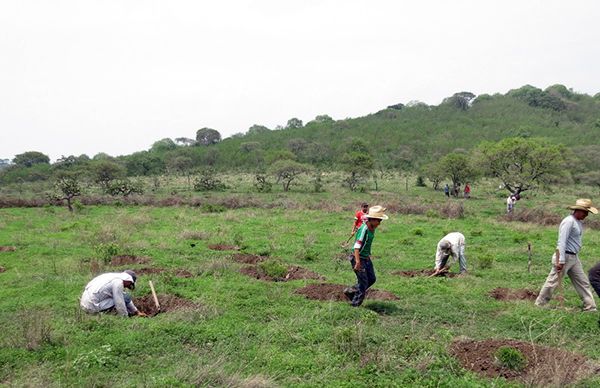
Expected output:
(366, 278)
(594, 276)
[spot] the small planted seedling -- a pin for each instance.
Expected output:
(510, 358)
(273, 268)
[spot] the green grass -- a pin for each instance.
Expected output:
(255, 333)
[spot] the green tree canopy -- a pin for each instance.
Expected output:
(207, 136)
(29, 158)
(522, 164)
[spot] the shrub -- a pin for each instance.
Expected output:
(124, 187)
(210, 208)
(420, 182)
(273, 268)
(418, 232)
(485, 261)
(262, 185)
(208, 181)
(511, 358)
(107, 250)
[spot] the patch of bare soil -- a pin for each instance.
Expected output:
(167, 303)
(129, 259)
(248, 258)
(423, 272)
(335, 292)
(545, 366)
(223, 247)
(513, 294)
(183, 273)
(2, 269)
(294, 273)
(7, 249)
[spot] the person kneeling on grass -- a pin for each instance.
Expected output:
(360, 258)
(453, 244)
(105, 293)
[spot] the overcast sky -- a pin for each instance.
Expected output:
(82, 76)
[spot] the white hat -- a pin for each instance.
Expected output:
(377, 212)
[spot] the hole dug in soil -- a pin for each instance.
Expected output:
(423, 272)
(544, 366)
(293, 273)
(248, 258)
(7, 249)
(513, 294)
(129, 259)
(223, 247)
(335, 292)
(167, 303)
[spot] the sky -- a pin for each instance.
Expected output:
(114, 76)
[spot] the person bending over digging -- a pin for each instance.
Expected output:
(453, 244)
(360, 258)
(105, 293)
(566, 260)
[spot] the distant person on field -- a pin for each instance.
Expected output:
(447, 190)
(453, 244)
(566, 260)
(510, 203)
(360, 258)
(467, 191)
(105, 293)
(360, 217)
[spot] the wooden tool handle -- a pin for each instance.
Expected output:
(154, 295)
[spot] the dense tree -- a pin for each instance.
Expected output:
(358, 163)
(67, 188)
(163, 145)
(105, 171)
(538, 98)
(294, 123)
(28, 159)
(461, 100)
(435, 173)
(323, 119)
(207, 136)
(396, 106)
(522, 164)
(458, 168)
(286, 171)
(144, 163)
(257, 129)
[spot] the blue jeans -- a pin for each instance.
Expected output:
(366, 278)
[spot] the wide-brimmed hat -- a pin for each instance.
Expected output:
(377, 212)
(584, 204)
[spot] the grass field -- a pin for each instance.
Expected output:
(249, 332)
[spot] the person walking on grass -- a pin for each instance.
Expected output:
(566, 260)
(360, 258)
(105, 293)
(447, 190)
(452, 244)
(360, 217)
(467, 190)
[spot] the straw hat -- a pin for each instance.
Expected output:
(584, 204)
(377, 212)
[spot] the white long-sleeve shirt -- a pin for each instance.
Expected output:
(570, 237)
(457, 243)
(106, 291)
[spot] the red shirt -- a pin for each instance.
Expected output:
(361, 218)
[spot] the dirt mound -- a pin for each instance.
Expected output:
(335, 292)
(183, 273)
(7, 249)
(223, 247)
(129, 259)
(248, 258)
(508, 294)
(2, 269)
(167, 303)
(293, 273)
(544, 365)
(422, 272)
(148, 270)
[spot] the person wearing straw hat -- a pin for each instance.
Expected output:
(360, 258)
(105, 293)
(452, 244)
(566, 260)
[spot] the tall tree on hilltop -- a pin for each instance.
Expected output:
(207, 136)
(29, 158)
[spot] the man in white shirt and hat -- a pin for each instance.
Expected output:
(566, 257)
(107, 292)
(451, 245)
